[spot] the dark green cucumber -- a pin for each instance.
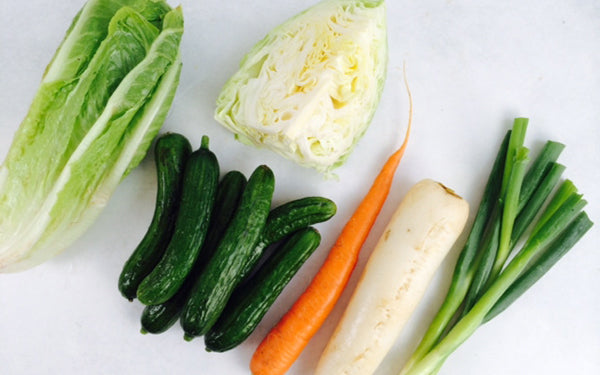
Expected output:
(197, 199)
(250, 303)
(159, 318)
(227, 202)
(220, 276)
(287, 218)
(170, 155)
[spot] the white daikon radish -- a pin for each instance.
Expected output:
(415, 242)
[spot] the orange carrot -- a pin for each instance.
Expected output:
(284, 343)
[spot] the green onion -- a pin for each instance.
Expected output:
(539, 181)
(565, 191)
(539, 170)
(529, 210)
(483, 268)
(509, 211)
(496, 239)
(517, 139)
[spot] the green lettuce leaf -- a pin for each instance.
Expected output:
(91, 122)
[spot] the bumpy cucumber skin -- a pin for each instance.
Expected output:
(229, 193)
(197, 200)
(221, 275)
(287, 218)
(248, 304)
(159, 318)
(170, 155)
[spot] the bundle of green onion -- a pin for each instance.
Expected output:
(494, 269)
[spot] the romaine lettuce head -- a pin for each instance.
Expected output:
(102, 100)
(309, 89)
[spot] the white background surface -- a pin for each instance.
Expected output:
(472, 66)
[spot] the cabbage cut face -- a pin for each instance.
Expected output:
(309, 89)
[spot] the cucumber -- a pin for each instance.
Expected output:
(221, 275)
(251, 302)
(227, 202)
(159, 318)
(170, 154)
(287, 218)
(197, 199)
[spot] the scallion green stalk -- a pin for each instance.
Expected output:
(565, 191)
(539, 181)
(539, 169)
(497, 242)
(533, 206)
(510, 209)
(517, 139)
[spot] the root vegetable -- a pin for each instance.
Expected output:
(417, 239)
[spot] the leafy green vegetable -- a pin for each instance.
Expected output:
(101, 102)
(309, 89)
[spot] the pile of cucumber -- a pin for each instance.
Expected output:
(202, 260)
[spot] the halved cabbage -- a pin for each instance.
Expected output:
(309, 89)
